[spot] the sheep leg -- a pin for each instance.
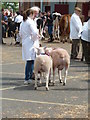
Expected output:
(36, 76)
(41, 77)
(39, 80)
(58, 33)
(47, 78)
(54, 76)
(65, 75)
(53, 33)
(60, 76)
(50, 81)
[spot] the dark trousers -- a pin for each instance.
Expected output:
(50, 30)
(86, 50)
(3, 31)
(3, 34)
(29, 69)
(75, 48)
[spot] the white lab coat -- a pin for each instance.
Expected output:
(19, 19)
(30, 39)
(86, 31)
(75, 26)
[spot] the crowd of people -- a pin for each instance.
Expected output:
(11, 24)
(25, 26)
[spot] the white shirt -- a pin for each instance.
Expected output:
(19, 19)
(86, 31)
(30, 40)
(75, 26)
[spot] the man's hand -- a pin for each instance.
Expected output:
(3, 22)
(49, 18)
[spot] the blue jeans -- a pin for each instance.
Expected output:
(50, 29)
(29, 69)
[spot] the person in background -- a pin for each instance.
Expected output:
(21, 12)
(50, 25)
(30, 40)
(6, 17)
(3, 26)
(43, 16)
(75, 32)
(6, 26)
(18, 21)
(85, 37)
(14, 16)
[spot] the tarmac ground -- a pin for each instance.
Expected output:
(22, 101)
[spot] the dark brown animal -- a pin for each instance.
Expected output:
(64, 26)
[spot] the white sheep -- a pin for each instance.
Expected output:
(61, 59)
(43, 64)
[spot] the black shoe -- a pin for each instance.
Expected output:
(50, 41)
(77, 58)
(82, 59)
(87, 62)
(73, 58)
(17, 43)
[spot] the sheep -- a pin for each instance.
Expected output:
(40, 50)
(61, 59)
(43, 64)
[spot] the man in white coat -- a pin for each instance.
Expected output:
(75, 32)
(30, 40)
(18, 21)
(86, 41)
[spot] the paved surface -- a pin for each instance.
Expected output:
(22, 101)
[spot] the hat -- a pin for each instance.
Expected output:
(58, 14)
(77, 8)
(35, 8)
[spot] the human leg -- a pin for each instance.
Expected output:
(29, 69)
(75, 48)
(50, 28)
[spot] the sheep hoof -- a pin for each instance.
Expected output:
(36, 88)
(49, 84)
(60, 81)
(70, 41)
(39, 85)
(47, 89)
(53, 84)
(64, 84)
(50, 81)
